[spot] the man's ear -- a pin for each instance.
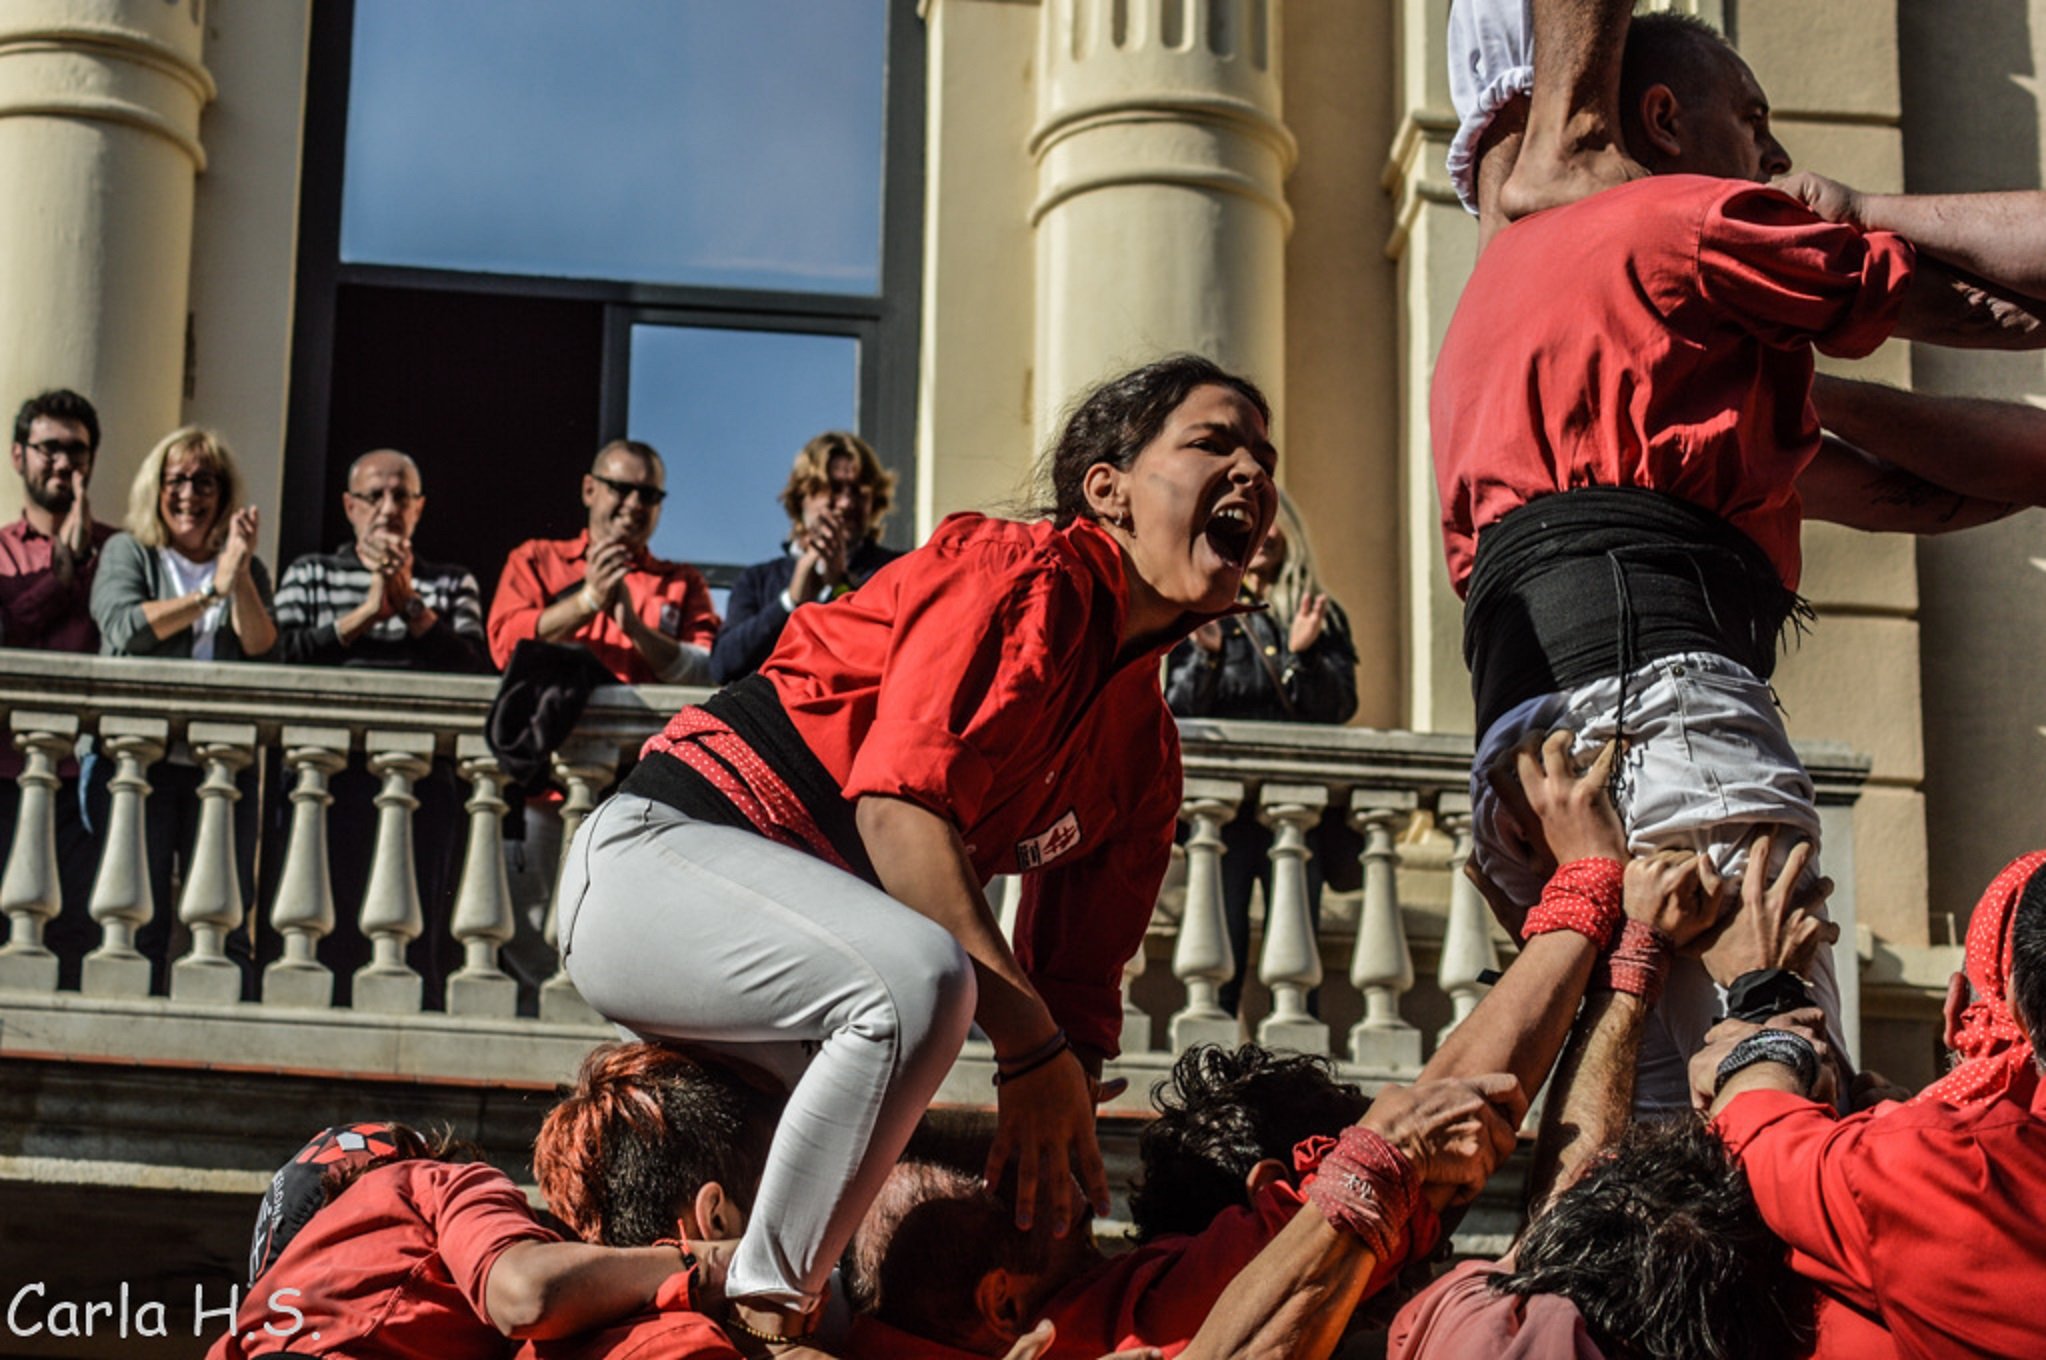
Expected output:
(715, 1213)
(1959, 994)
(589, 488)
(998, 1299)
(1661, 121)
(1266, 1172)
(1102, 485)
(16, 458)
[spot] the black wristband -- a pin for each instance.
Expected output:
(1765, 994)
(1015, 1069)
(1783, 1046)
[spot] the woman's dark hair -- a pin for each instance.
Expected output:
(1113, 423)
(1222, 1112)
(1661, 1248)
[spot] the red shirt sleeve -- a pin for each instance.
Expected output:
(1079, 923)
(975, 666)
(478, 1213)
(516, 607)
(1795, 1153)
(1790, 278)
(700, 620)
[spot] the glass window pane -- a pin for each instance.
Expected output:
(728, 409)
(686, 142)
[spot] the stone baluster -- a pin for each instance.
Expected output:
(1202, 958)
(1383, 967)
(391, 917)
(210, 904)
(483, 905)
(1467, 949)
(583, 767)
(1136, 1021)
(303, 913)
(1006, 898)
(122, 900)
(1291, 966)
(31, 890)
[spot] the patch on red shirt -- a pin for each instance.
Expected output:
(671, 619)
(1042, 849)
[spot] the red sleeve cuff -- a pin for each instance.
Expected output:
(925, 764)
(1090, 1013)
(1886, 272)
(1751, 1113)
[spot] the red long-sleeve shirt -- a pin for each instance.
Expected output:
(978, 677)
(669, 597)
(1920, 1220)
(1656, 335)
(671, 1330)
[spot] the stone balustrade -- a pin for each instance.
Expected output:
(1394, 964)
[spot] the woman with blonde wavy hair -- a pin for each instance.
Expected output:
(184, 581)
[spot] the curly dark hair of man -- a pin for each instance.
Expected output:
(1113, 423)
(1220, 1114)
(1661, 1248)
(643, 1129)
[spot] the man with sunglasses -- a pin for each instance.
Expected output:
(369, 602)
(645, 619)
(47, 561)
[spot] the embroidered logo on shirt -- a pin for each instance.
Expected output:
(1042, 850)
(671, 619)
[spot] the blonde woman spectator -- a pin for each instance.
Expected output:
(183, 581)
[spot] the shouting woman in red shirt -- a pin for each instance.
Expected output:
(796, 869)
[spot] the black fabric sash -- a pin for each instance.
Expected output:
(1591, 583)
(752, 709)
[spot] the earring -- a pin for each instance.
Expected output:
(1127, 523)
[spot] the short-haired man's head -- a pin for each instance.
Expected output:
(1115, 421)
(839, 472)
(1220, 1114)
(922, 1259)
(623, 491)
(2027, 986)
(1661, 1248)
(645, 1127)
(1689, 104)
(384, 495)
(59, 403)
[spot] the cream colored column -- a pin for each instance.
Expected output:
(99, 145)
(1160, 214)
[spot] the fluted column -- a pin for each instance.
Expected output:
(1160, 214)
(391, 916)
(1383, 967)
(583, 768)
(99, 111)
(31, 891)
(483, 905)
(210, 905)
(122, 900)
(1291, 965)
(303, 913)
(1202, 959)
(1467, 949)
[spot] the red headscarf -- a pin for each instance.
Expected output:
(1992, 1048)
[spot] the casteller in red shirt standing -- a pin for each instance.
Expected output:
(795, 869)
(647, 620)
(1918, 1223)
(1625, 448)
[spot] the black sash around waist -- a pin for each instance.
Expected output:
(1586, 584)
(752, 709)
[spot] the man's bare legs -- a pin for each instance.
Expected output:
(1572, 145)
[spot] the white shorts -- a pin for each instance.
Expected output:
(1491, 60)
(1707, 765)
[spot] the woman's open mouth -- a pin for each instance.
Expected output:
(1230, 533)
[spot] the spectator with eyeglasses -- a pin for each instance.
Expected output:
(370, 602)
(47, 561)
(645, 619)
(183, 582)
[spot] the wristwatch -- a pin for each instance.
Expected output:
(209, 592)
(413, 609)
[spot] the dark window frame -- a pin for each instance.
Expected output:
(886, 323)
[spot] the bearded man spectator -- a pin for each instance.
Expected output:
(836, 498)
(645, 619)
(47, 561)
(370, 602)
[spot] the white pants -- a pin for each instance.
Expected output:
(1707, 765)
(679, 929)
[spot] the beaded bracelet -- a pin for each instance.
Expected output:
(1783, 1046)
(1584, 895)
